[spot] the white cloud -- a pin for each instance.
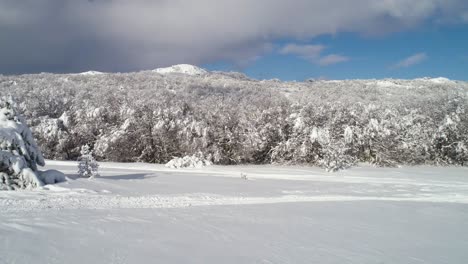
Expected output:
(313, 53)
(464, 17)
(332, 59)
(309, 52)
(412, 60)
(120, 35)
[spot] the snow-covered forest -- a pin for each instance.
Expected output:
(228, 118)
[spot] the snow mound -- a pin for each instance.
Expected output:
(187, 162)
(52, 176)
(91, 73)
(182, 69)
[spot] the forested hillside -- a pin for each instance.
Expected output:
(228, 118)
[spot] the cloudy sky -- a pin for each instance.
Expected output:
(287, 39)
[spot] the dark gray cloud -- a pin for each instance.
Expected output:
(123, 35)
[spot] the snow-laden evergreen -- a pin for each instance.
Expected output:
(87, 165)
(19, 154)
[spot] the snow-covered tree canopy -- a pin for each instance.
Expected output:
(19, 155)
(153, 117)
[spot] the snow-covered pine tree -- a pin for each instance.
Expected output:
(87, 166)
(19, 154)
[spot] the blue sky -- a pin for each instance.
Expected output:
(285, 39)
(443, 52)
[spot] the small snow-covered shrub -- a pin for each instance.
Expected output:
(87, 166)
(336, 160)
(188, 162)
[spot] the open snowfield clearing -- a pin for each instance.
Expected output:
(142, 213)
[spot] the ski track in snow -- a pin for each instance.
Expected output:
(343, 188)
(67, 201)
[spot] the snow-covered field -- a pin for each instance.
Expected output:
(142, 213)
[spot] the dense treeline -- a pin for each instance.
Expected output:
(230, 119)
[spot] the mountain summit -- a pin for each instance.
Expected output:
(182, 69)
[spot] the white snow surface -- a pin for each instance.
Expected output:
(182, 69)
(145, 213)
